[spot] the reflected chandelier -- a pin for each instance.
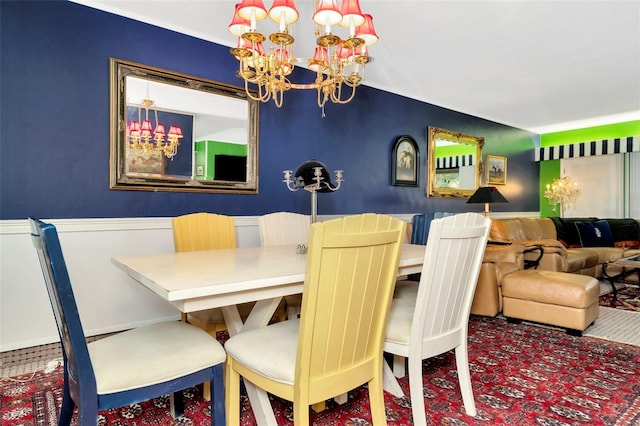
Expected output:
(564, 192)
(144, 137)
(337, 62)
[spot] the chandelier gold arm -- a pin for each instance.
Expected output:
(281, 39)
(328, 40)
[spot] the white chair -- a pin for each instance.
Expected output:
(336, 344)
(282, 228)
(128, 367)
(430, 318)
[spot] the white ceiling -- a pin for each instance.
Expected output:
(543, 66)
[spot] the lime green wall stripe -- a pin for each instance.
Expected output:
(588, 134)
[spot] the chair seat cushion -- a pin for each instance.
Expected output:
(152, 354)
(402, 311)
(278, 345)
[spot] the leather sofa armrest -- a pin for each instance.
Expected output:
(503, 253)
(548, 246)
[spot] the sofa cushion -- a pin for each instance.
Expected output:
(626, 232)
(605, 254)
(566, 231)
(580, 258)
(595, 234)
(507, 230)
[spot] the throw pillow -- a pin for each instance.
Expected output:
(595, 234)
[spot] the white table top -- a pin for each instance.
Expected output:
(198, 280)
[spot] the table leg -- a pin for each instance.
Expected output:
(259, 317)
(611, 279)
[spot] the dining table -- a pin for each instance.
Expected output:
(224, 278)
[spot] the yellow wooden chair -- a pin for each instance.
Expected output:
(206, 231)
(336, 344)
(282, 228)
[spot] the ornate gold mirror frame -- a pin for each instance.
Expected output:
(218, 149)
(454, 163)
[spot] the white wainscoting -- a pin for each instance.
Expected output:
(108, 300)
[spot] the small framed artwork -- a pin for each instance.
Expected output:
(405, 160)
(138, 162)
(496, 170)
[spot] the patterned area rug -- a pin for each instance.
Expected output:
(628, 299)
(521, 374)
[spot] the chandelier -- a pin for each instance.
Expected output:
(563, 192)
(338, 63)
(144, 137)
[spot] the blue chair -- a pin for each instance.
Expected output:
(128, 367)
(420, 224)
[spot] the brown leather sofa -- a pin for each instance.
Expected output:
(561, 255)
(529, 239)
(498, 261)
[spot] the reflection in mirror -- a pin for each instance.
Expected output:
(174, 132)
(454, 163)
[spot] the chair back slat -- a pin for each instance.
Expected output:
(453, 258)
(203, 231)
(351, 270)
(74, 345)
(283, 228)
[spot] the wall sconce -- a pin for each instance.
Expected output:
(312, 176)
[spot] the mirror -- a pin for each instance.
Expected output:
(455, 163)
(207, 140)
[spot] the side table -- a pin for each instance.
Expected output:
(629, 265)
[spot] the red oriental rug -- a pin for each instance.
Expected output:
(521, 374)
(628, 299)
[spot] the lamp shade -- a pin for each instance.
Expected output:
(367, 32)
(487, 194)
(305, 175)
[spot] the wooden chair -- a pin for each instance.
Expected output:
(206, 231)
(432, 317)
(127, 367)
(336, 344)
(282, 228)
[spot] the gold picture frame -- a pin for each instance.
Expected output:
(496, 170)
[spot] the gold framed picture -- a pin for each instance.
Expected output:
(496, 170)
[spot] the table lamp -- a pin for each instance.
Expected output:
(487, 195)
(314, 177)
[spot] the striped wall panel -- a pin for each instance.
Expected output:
(586, 149)
(454, 162)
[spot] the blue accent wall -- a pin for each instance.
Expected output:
(54, 127)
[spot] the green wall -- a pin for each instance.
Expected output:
(588, 134)
(550, 170)
(206, 152)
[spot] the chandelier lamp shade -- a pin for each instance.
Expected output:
(145, 136)
(487, 195)
(563, 192)
(338, 63)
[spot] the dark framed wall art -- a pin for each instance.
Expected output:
(405, 160)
